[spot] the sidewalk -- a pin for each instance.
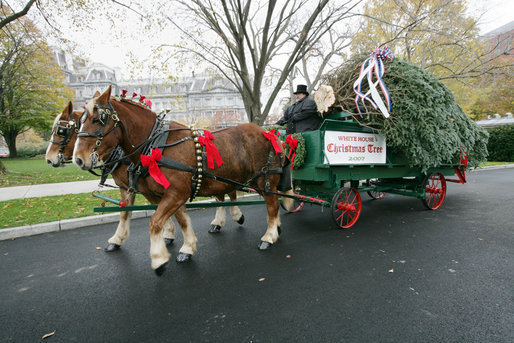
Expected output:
(49, 189)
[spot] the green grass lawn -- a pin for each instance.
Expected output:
(20, 212)
(33, 171)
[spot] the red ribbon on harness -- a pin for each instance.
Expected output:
(270, 135)
(293, 143)
(210, 149)
(150, 161)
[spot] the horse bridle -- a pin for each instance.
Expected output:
(105, 112)
(65, 130)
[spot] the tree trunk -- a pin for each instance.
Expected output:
(10, 139)
(2, 167)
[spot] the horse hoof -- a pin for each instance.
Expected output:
(162, 268)
(241, 220)
(264, 245)
(168, 241)
(112, 247)
(181, 257)
(215, 229)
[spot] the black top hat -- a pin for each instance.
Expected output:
(301, 89)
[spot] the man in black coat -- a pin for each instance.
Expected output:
(303, 114)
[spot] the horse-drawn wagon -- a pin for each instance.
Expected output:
(345, 159)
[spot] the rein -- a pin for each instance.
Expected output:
(157, 139)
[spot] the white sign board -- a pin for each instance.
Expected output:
(354, 148)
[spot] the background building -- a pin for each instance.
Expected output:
(209, 101)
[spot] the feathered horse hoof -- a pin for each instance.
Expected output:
(161, 269)
(181, 257)
(215, 229)
(241, 220)
(264, 245)
(112, 247)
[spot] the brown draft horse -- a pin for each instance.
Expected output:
(60, 152)
(244, 149)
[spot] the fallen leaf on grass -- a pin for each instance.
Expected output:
(391, 270)
(48, 335)
(98, 248)
(262, 279)
(288, 256)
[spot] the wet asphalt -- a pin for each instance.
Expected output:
(402, 274)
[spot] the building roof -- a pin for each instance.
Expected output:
(496, 120)
(501, 30)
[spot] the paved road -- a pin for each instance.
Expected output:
(403, 274)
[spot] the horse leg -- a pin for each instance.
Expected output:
(158, 252)
(189, 247)
(169, 232)
(235, 212)
(123, 229)
(219, 221)
(272, 233)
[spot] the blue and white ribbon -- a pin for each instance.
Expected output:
(374, 65)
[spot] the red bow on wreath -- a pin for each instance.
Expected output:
(210, 149)
(150, 161)
(293, 143)
(141, 98)
(124, 93)
(134, 94)
(270, 135)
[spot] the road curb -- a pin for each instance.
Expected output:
(76, 223)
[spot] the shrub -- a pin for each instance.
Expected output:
(501, 143)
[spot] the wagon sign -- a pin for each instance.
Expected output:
(354, 148)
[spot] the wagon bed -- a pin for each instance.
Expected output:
(342, 183)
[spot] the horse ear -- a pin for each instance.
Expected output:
(104, 98)
(69, 108)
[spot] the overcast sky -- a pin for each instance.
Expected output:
(114, 53)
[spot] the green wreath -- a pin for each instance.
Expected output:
(299, 157)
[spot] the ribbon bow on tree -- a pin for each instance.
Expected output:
(270, 135)
(293, 143)
(210, 149)
(150, 161)
(374, 65)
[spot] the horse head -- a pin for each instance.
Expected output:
(97, 135)
(64, 134)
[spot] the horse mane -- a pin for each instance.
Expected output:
(140, 105)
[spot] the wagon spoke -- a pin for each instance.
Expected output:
(346, 207)
(435, 191)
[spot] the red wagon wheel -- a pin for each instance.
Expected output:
(435, 191)
(376, 195)
(346, 207)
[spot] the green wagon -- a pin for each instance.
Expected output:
(363, 165)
